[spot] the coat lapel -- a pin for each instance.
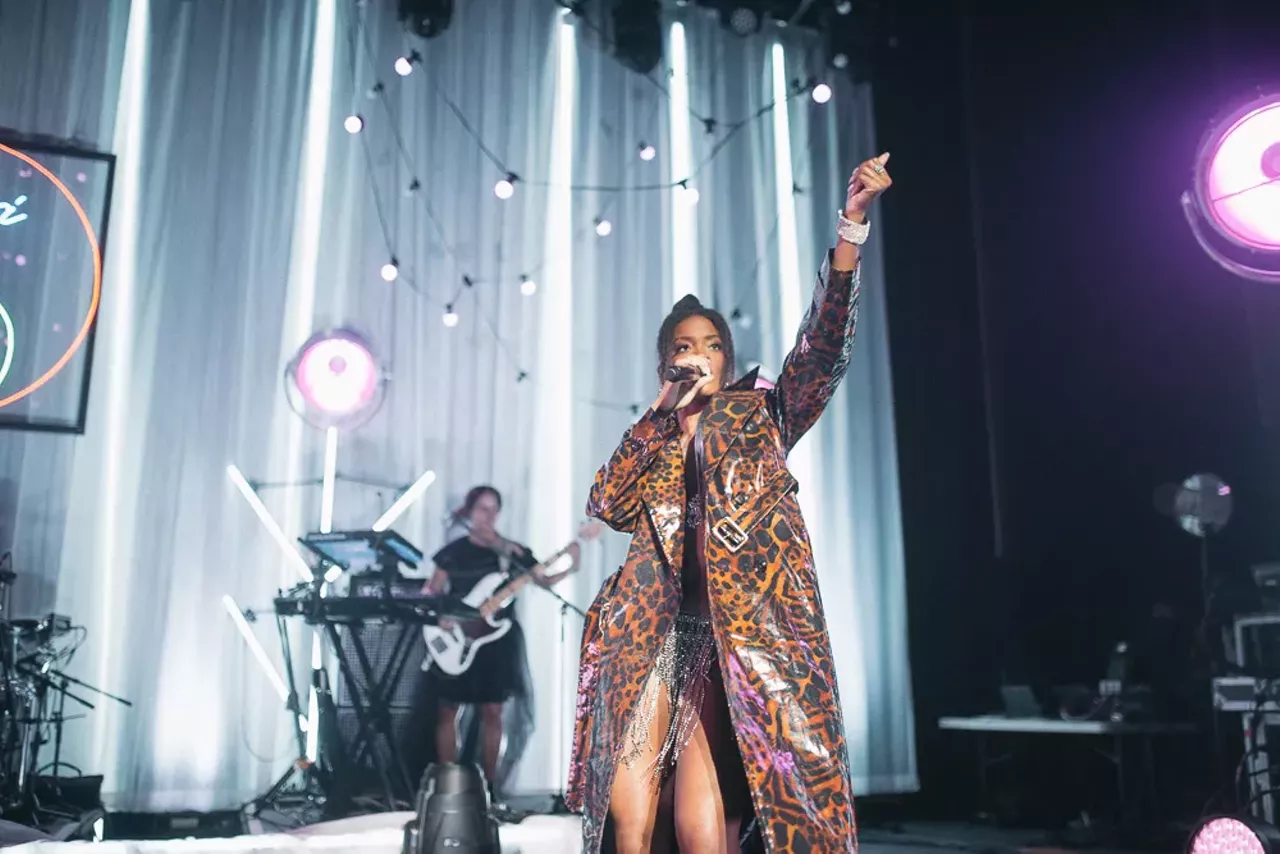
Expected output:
(724, 419)
(663, 495)
(663, 490)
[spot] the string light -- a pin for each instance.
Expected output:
(840, 61)
(844, 7)
(404, 65)
(506, 188)
(822, 93)
(390, 270)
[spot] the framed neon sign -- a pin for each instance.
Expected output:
(54, 203)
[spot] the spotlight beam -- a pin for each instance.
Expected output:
(294, 559)
(406, 499)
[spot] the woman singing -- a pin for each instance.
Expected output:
(500, 672)
(706, 678)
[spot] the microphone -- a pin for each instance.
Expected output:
(681, 374)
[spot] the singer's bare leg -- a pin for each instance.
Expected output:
(633, 803)
(447, 733)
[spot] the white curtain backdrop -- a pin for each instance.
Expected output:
(254, 219)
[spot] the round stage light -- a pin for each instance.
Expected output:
(1236, 189)
(335, 380)
(1234, 835)
(1239, 176)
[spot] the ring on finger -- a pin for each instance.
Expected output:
(878, 169)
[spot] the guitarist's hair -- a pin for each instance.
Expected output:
(469, 503)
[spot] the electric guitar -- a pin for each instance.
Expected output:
(452, 647)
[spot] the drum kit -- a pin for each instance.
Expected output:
(34, 696)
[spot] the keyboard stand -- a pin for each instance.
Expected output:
(370, 698)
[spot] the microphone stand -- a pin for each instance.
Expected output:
(558, 806)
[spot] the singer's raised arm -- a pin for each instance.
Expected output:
(615, 495)
(817, 362)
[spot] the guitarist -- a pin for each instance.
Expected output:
(499, 673)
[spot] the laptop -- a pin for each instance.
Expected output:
(1020, 702)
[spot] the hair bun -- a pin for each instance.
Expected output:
(688, 302)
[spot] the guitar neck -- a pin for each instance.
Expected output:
(515, 585)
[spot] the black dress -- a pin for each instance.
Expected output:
(496, 674)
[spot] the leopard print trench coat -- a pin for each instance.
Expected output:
(771, 637)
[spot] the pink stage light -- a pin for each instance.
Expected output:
(337, 376)
(1241, 177)
(335, 380)
(1235, 191)
(1228, 835)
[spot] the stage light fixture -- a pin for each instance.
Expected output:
(335, 380)
(1234, 835)
(452, 814)
(1236, 190)
(740, 20)
(426, 18)
(637, 34)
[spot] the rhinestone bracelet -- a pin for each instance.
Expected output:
(853, 232)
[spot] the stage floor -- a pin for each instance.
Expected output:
(537, 834)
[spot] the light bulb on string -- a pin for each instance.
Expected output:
(840, 60)
(821, 93)
(404, 64)
(506, 187)
(603, 227)
(390, 270)
(528, 286)
(647, 152)
(450, 317)
(353, 123)
(688, 195)
(844, 7)
(374, 91)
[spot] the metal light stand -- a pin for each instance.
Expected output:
(313, 783)
(558, 805)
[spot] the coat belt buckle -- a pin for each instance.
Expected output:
(730, 533)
